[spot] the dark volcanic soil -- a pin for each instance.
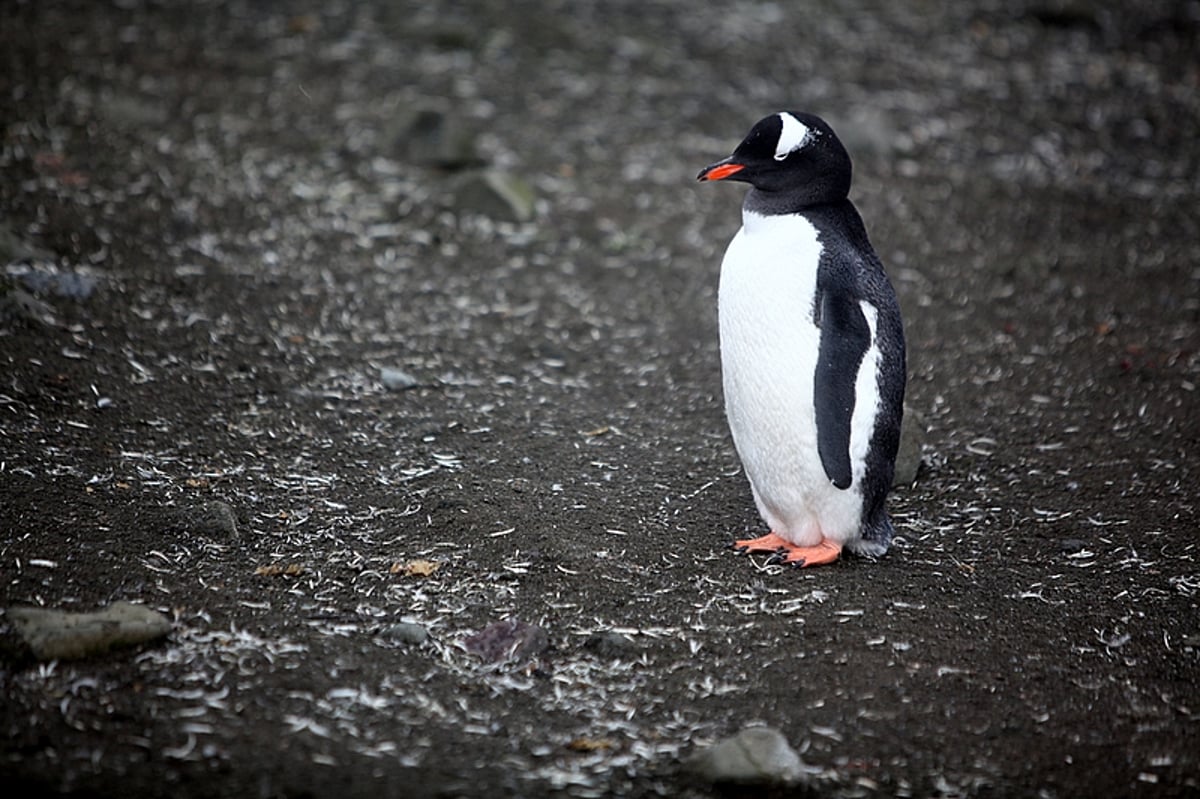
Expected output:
(236, 178)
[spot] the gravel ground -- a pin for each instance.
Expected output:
(224, 230)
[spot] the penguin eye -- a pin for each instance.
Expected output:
(782, 156)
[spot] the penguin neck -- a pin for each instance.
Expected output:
(791, 201)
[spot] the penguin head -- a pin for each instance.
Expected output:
(789, 152)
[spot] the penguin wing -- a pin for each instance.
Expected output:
(845, 337)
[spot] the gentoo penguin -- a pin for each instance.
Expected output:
(812, 347)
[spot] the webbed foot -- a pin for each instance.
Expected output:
(825, 552)
(784, 551)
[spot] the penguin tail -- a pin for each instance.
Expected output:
(876, 538)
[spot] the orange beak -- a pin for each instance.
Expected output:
(719, 171)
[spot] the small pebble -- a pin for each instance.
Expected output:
(434, 137)
(213, 519)
(499, 195)
(406, 633)
(17, 305)
(397, 379)
(609, 644)
(15, 249)
(59, 635)
(68, 285)
(755, 756)
(510, 640)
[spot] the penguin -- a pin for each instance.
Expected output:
(812, 347)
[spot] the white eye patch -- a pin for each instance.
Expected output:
(794, 135)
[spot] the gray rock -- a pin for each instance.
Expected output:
(451, 34)
(18, 305)
(397, 379)
(406, 633)
(69, 285)
(434, 137)
(131, 112)
(214, 519)
(59, 635)
(498, 195)
(755, 756)
(912, 438)
(1069, 14)
(14, 249)
(511, 640)
(610, 645)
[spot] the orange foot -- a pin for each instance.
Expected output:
(825, 552)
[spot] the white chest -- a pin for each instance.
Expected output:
(769, 343)
(769, 351)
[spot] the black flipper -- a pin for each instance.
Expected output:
(845, 337)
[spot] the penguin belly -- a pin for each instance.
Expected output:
(769, 349)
